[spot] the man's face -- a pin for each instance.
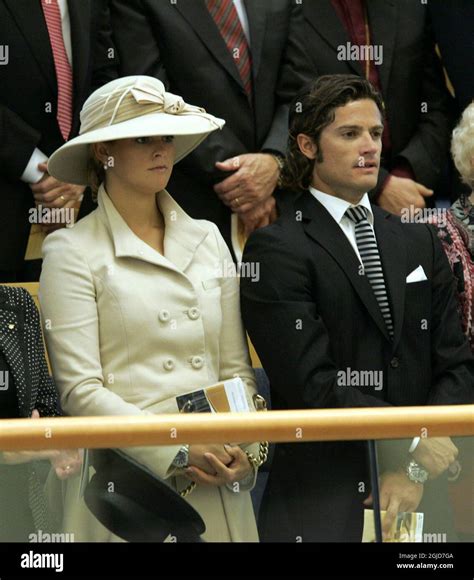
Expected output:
(350, 148)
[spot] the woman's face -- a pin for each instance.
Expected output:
(142, 164)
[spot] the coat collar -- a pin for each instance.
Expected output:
(183, 235)
(323, 229)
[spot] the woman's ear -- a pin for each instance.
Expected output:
(99, 150)
(307, 146)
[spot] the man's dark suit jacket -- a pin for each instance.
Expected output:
(410, 75)
(312, 314)
(180, 44)
(28, 100)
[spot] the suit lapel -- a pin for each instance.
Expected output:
(80, 19)
(30, 21)
(321, 227)
(383, 16)
(393, 253)
(196, 14)
(257, 17)
(12, 346)
(321, 15)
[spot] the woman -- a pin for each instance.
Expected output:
(457, 230)
(26, 390)
(138, 313)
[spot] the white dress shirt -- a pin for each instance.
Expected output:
(32, 174)
(337, 207)
(240, 7)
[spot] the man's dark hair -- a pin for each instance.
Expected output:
(311, 111)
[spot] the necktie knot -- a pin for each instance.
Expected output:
(357, 213)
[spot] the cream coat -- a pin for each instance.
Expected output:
(128, 330)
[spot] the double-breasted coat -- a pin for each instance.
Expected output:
(128, 329)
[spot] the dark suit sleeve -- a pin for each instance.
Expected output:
(295, 72)
(104, 53)
(427, 150)
(281, 316)
(453, 362)
(47, 400)
(17, 143)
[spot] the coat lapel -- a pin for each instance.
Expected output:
(383, 17)
(321, 15)
(12, 347)
(321, 227)
(257, 17)
(30, 21)
(80, 19)
(183, 235)
(393, 253)
(198, 17)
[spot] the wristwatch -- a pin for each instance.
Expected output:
(416, 472)
(181, 460)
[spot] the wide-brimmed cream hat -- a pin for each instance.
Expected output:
(135, 106)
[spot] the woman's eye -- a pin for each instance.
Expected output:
(168, 138)
(142, 140)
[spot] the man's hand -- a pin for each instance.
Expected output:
(261, 215)
(400, 193)
(254, 180)
(237, 470)
(435, 454)
(397, 494)
(53, 193)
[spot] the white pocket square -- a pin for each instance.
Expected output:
(418, 275)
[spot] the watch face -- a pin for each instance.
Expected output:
(181, 459)
(417, 473)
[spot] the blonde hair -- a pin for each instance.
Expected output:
(462, 146)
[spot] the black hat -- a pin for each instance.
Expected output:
(141, 507)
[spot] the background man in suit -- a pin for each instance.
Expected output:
(332, 298)
(408, 74)
(55, 52)
(241, 61)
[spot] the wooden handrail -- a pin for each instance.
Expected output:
(276, 426)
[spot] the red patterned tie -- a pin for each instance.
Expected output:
(228, 22)
(52, 15)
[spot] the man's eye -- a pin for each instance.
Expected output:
(349, 134)
(142, 140)
(168, 138)
(377, 134)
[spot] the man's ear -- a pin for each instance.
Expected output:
(307, 146)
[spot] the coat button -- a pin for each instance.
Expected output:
(197, 362)
(11, 326)
(168, 364)
(194, 313)
(164, 315)
(394, 363)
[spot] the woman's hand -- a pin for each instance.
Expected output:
(66, 462)
(197, 457)
(237, 470)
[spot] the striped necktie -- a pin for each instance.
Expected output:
(228, 22)
(369, 254)
(52, 16)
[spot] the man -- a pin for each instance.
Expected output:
(333, 302)
(241, 61)
(53, 54)
(390, 44)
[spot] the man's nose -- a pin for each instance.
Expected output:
(370, 144)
